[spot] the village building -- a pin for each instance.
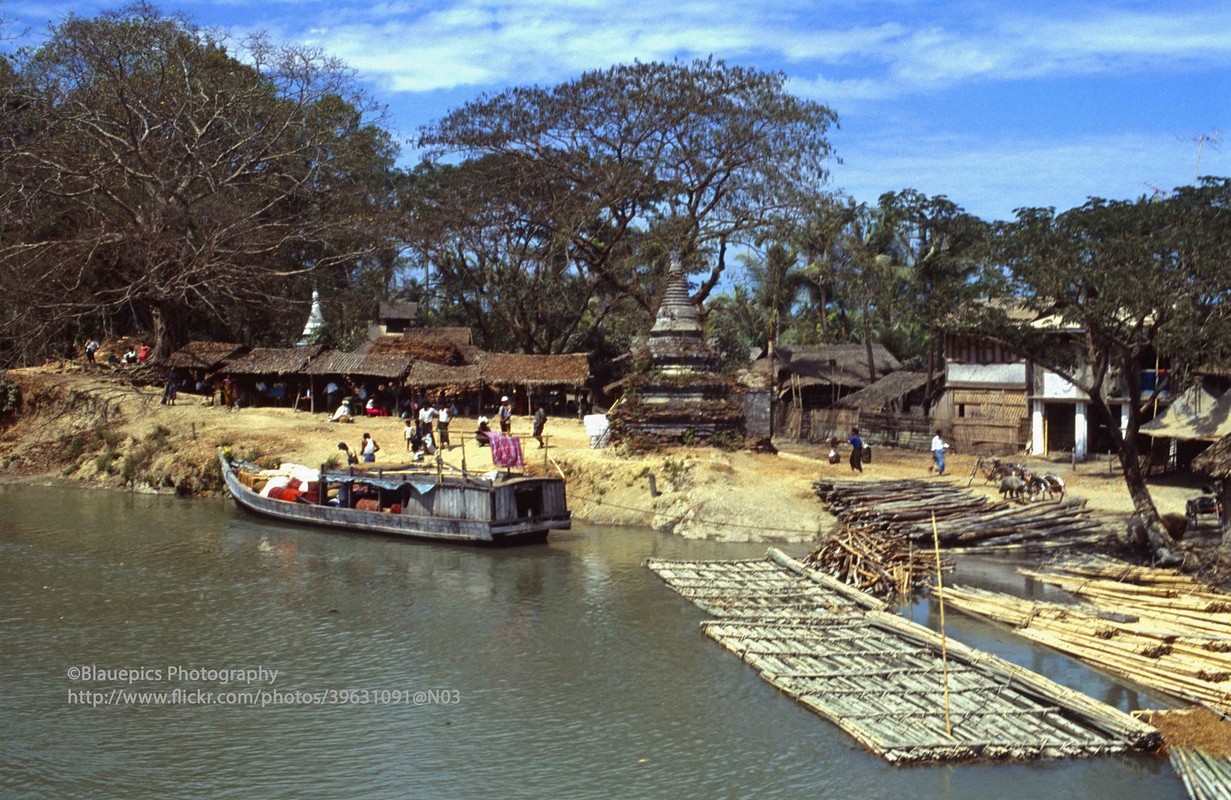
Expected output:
(393, 318)
(810, 380)
(270, 375)
(194, 364)
(892, 411)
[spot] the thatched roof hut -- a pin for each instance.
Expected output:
(895, 393)
(272, 361)
(1215, 461)
(444, 377)
(384, 366)
(436, 349)
(203, 355)
(571, 370)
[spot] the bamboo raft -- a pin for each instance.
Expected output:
(897, 687)
(776, 587)
(963, 518)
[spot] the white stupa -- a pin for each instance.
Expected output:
(316, 321)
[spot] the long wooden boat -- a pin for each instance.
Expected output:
(503, 508)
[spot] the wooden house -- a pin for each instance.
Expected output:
(809, 379)
(891, 411)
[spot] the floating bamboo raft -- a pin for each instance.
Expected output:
(1181, 660)
(963, 518)
(897, 687)
(776, 587)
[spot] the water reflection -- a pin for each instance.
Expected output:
(580, 674)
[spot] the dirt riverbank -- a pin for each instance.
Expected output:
(93, 426)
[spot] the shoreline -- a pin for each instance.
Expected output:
(88, 427)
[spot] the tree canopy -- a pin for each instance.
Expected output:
(1130, 280)
(156, 182)
(606, 174)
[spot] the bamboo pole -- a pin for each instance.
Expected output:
(944, 649)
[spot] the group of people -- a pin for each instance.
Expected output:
(367, 450)
(428, 432)
(859, 452)
(505, 415)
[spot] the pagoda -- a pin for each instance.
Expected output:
(316, 321)
(678, 394)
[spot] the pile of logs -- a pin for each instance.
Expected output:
(889, 567)
(963, 518)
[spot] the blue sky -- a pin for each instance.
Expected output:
(997, 105)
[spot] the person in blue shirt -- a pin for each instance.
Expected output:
(856, 451)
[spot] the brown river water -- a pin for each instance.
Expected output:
(139, 637)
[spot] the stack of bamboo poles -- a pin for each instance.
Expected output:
(1206, 777)
(1166, 599)
(963, 518)
(887, 566)
(1182, 661)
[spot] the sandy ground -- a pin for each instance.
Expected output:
(73, 417)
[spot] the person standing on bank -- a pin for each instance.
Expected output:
(368, 447)
(856, 451)
(443, 417)
(506, 415)
(540, 419)
(939, 446)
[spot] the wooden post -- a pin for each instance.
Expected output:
(944, 648)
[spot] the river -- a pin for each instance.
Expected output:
(560, 670)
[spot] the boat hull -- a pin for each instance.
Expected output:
(525, 529)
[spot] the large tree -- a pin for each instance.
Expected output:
(1133, 279)
(619, 167)
(158, 183)
(946, 257)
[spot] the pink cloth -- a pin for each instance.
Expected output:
(506, 450)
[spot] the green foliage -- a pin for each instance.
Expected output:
(10, 395)
(678, 473)
(1122, 283)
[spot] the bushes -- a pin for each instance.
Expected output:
(10, 396)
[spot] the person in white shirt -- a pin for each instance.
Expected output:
(939, 446)
(442, 428)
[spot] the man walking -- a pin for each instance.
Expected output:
(939, 446)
